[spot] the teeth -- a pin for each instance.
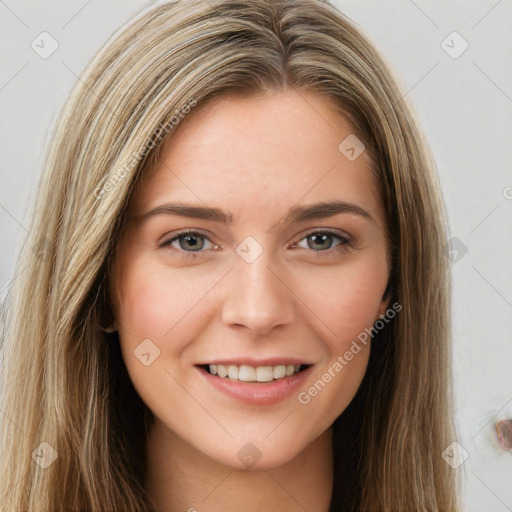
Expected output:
(279, 371)
(247, 374)
(233, 372)
(251, 374)
(264, 374)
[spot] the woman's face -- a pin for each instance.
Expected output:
(232, 259)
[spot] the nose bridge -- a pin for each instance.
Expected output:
(257, 298)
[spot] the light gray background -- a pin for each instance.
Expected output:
(465, 108)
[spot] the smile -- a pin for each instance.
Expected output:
(261, 384)
(246, 373)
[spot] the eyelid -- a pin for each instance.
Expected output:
(346, 241)
(329, 231)
(170, 238)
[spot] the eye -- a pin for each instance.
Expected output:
(189, 242)
(323, 241)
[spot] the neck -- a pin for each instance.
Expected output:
(180, 478)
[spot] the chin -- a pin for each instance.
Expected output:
(253, 459)
(258, 455)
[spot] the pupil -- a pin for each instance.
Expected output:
(194, 242)
(322, 237)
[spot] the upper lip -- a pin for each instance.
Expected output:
(247, 361)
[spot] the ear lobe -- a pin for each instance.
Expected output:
(386, 299)
(109, 329)
(384, 305)
(107, 321)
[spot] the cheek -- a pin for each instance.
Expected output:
(347, 299)
(169, 307)
(347, 303)
(143, 310)
(153, 299)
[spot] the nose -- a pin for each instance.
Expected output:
(257, 297)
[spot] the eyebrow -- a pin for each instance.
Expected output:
(295, 215)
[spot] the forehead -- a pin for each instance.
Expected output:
(246, 153)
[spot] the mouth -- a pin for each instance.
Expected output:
(261, 374)
(261, 383)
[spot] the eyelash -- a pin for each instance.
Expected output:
(343, 246)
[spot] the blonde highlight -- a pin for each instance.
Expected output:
(68, 374)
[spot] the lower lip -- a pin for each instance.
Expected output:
(258, 393)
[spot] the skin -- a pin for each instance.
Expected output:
(257, 157)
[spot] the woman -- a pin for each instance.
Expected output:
(186, 341)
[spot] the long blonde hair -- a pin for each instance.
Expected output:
(64, 381)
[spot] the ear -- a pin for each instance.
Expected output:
(386, 299)
(108, 322)
(382, 309)
(110, 328)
